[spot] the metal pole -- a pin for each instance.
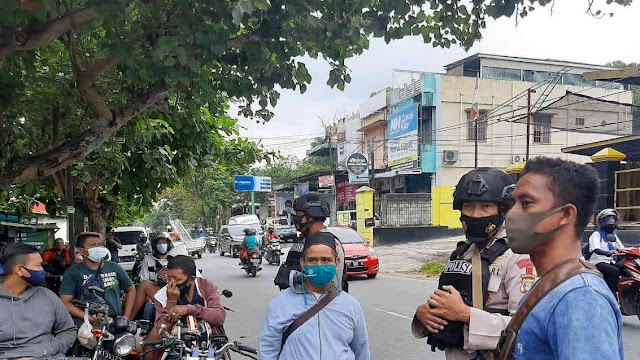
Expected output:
(70, 216)
(332, 172)
(253, 203)
(529, 91)
(475, 129)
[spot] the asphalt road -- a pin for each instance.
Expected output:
(388, 302)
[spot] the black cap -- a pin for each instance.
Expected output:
(320, 238)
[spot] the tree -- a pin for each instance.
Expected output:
(622, 65)
(75, 72)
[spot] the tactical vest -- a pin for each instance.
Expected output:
(457, 273)
(153, 273)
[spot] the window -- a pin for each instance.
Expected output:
(482, 127)
(489, 72)
(535, 76)
(579, 121)
(542, 129)
(426, 125)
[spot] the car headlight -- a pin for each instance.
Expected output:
(372, 252)
(124, 345)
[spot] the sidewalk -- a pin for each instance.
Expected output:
(401, 259)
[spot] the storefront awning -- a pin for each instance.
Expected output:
(628, 145)
(386, 175)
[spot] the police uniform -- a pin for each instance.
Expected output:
(510, 277)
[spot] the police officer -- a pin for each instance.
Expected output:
(483, 281)
(311, 211)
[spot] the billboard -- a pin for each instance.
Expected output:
(402, 146)
(345, 192)
(252, 183)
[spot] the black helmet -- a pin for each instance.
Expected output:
(249, 231)
(484, 184)
(312, 205)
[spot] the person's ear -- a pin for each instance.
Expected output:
(569, 214)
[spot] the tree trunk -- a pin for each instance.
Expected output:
(101, 214)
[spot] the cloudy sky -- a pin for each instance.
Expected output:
(567, 33)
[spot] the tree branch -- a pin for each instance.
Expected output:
(243, 39)
(49, 32)
(40, 165)
(89, 92)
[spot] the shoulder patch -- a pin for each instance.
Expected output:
(525, 263)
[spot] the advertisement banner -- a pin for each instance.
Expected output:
(402, 146)
(283, 200)
(345, 192)
(326, 181)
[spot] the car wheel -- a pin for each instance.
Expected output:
(233, 253)
(200, 255)
(221, 252)
(372, 276)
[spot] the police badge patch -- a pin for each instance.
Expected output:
(527, 280)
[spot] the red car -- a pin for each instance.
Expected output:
(361, 258)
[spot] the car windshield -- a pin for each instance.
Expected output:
(237, 230)
(128, 237)
(347, 236)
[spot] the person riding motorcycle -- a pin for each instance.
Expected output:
(484, 281)
(603, 246)
(250, 244)
(311, 211)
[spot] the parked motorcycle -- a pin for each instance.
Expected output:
(629, 282)
(115, 338)
(273, 252)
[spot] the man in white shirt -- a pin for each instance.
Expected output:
(603, 246)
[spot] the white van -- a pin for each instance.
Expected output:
(247, 219)
(129, 237)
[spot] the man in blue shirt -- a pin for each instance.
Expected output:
(580, 318)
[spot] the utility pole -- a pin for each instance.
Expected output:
(529, 92)
(329, 131)
(70, 215)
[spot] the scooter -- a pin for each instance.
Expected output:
(273, 252)
(252, 264)
(211, 244)
(629, 282)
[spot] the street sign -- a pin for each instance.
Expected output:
(357, 164)
(252, 183)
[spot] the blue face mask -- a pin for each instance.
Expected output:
(320, 275)
(37, 278)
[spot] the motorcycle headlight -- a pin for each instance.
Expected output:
(124, 345)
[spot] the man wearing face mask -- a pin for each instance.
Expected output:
(22, 297)
(483, 281)
(186, 294)
(95, 270)
(313, 318)
(153, 272)
(571, 314)
(603, 245)
(311, 211)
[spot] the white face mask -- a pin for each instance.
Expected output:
(98, 254)
(162, 248)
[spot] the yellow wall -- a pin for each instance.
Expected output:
(442, 207)
(364, 208)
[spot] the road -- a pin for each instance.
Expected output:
(388, 302)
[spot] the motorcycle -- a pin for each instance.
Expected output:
(629, 282)
(193, 338)
(115, 338)
(273, 252)
(212, 244)
(252, 263)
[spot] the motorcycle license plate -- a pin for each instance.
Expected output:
(255, 261)
(104, 355)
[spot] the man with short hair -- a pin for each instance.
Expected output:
(33, 321)
(338, 331)
(95, 271)
(579, 318)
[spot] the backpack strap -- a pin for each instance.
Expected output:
(495, 250)
(552, 279)
(333, 293)
(461, 248)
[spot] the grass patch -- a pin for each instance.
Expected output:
(431, 269)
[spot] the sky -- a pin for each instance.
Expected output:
(566, 33)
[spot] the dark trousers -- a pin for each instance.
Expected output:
(611, 274)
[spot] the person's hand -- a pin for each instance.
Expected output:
(433, 323)
(96, 319)
(613, 252)
(448, 305)
(162, 275)
(173, 293)
(177, 312)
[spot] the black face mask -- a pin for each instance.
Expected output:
(481, 229)
(184, 288)
(300, 226)
(609, 228)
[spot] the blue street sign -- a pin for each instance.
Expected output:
(252, 183)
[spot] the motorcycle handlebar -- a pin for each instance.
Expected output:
(247, 349)
(152, 342)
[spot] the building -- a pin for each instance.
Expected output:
(429, 138)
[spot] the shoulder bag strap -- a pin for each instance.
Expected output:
(552, 279)
(308, 315)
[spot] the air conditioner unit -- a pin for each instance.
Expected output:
(450, 156)
(517, 159)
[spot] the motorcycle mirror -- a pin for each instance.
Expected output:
(227, 293)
